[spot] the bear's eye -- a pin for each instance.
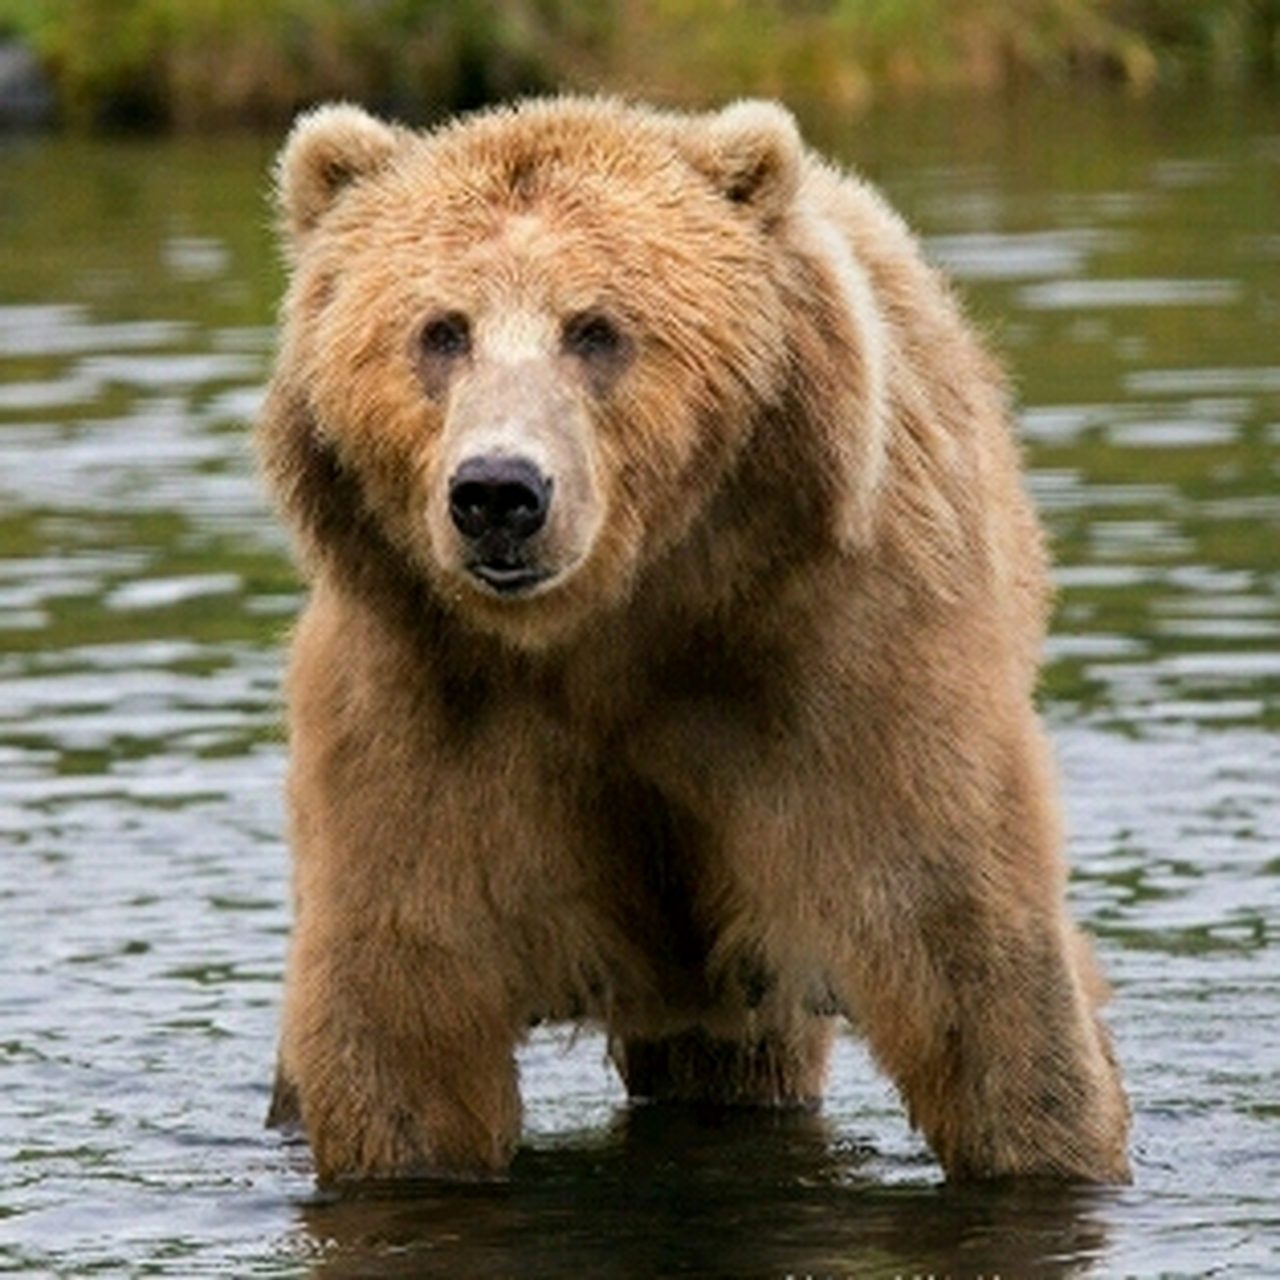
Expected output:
(447, 336)
(593, 336)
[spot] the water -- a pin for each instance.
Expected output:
(1125, 255)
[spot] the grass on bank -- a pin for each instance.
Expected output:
(209, 63)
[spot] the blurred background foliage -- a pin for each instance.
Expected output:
(202, 64)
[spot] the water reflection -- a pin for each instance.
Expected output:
(673, 1192)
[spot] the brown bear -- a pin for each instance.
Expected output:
(675, 611)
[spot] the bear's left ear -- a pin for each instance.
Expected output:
(329, 149)
(752, 152)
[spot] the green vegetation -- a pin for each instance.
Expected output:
(206, 63)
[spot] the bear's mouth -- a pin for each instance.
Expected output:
(505, 577)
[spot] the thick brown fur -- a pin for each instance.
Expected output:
(754, 747)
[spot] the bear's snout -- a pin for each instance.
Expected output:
(498, 504)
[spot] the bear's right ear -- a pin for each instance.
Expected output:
(328, 150)
(753, 154)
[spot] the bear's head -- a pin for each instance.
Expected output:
(521, 354)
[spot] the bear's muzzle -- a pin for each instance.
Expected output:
(499, 504)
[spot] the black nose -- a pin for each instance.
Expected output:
(499, 495)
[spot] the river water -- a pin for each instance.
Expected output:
(1126, 257)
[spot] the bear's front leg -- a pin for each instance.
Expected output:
(977, 993)
(997, 1052)
(400, 1023)
(926, 889)
(402, 1064)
